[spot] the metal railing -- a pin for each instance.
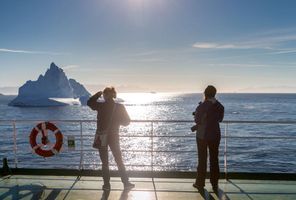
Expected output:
(153, 136)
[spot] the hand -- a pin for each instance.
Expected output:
(98, 94)
(193, 128)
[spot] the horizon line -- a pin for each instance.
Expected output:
(170, 92)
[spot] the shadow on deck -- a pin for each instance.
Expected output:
(88, 187)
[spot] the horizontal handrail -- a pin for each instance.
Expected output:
(192, 135)
(155, 121)
(149, 134)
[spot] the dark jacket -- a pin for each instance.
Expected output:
(213, 113)
(105, 109)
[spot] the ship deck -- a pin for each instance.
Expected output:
(89, 187)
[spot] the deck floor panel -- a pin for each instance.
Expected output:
(88, 188)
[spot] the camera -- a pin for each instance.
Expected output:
(194, 128)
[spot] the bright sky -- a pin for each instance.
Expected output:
(152, 45)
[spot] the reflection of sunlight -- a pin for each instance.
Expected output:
(139, 98)
(139, 105)
(145, 106)
(142, 195)
(139, 112)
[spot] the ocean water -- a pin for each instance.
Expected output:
(249, 147)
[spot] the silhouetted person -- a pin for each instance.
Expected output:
(207, 116)
(109, 118)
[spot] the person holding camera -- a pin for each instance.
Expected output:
(110, 115)
(207, 116)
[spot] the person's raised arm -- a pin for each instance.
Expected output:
(92, 101)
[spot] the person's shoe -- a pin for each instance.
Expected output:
(106, 187)
(128, 186)
(215, 188)
(198, 187)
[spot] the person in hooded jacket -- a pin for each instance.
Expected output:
(110, 115)
(207, 116)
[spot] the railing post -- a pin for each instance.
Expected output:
(14, 145)
(81, 147)
(225, 150)
(152, 149)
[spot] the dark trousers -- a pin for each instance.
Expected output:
(113, 143)
(202, 147)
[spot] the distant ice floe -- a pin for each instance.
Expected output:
(68, 101)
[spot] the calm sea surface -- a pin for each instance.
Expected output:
(250, 147)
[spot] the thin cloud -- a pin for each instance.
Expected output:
(291, 66)
(146, 53)
(239, 45)
(272, 41)
(148, 60)
(270, 89)
(239, 65)
(152, 56)
(205, 45)
(284, 51)
(30, 52)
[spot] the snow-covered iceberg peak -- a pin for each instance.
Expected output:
(53, 84)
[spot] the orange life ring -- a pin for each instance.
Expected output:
(43, 127)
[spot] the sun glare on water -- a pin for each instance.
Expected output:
(139, 98)
(139, 105)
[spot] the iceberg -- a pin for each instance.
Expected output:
(51, 89)
(78, 89)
